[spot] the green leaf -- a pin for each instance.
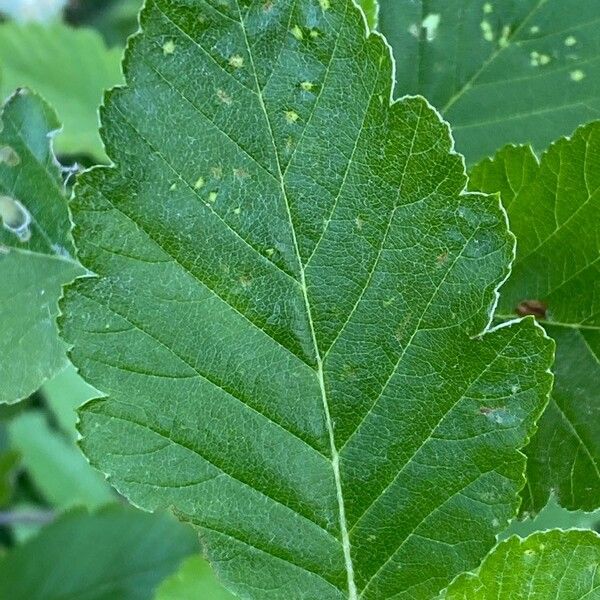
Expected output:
(500, 72)
(70, 68)
(193, 581)
(117, 552)
(371, 10)
(35, 247)
(285, 322)
(554, 210)
(63, 395)
(55, 466)
(550, 565)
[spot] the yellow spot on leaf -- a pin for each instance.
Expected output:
(314, 34)
(270, 251)
(577, 75)
(168, 47)
(9, 156)
(237, 210)
(199, 183)
(236, 61)
(224, 97)
(307, 86)
(535, 29)
(212, 197)
(488, 8)
(325, 4)
(503, 41)
(570, 41)
(297, 32)
(486, 29)
(291, 116)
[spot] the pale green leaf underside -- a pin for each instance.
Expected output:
(115, 553)
(193, 581)
(550, 565)
(70, 68)
(34, 248)
(554, 210)
(289, 279)
(500, 72)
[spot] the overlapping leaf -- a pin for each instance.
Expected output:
(500, 72)
(117, 552)
(554, 210)
(35, 247)
(70, 68)
(193, 581)
(550, 565)
(291, 287)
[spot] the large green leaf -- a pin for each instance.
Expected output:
(288, 314)
(554, 210)
(55, 466)
(70, 68)
(193, 581)
(551, 565)
(35, 247)
(501, 71)
(116, 553)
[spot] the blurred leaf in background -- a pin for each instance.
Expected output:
(56, 467)
(36, 248)
(70, 68)
(32, 10)
(114, 19)
(115, 553)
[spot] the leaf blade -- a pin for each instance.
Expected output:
(296, 284)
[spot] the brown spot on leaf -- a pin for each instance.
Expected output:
(536, 308)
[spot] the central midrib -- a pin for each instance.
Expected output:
(335, 457)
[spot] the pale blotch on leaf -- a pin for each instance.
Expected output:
(270, 251)
(534, 29)
(9, 156)
(414, 30)
(314, 33)
(537, 59)
(168, 47)
(236, 61)
(577, 75)
(307, 86)
(430, 24)
(291, 116)
(297, 32)
(173, 187)
(504, 37)
(15, 218)
(488, 8)
(325, 4)
(486, 29)
(199, 183)
(237, 210)
(217, 172)
(224, 97)
(212, 197)
(570, 41)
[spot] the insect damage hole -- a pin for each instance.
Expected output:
(15, 218)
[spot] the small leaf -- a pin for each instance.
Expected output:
(193, 581)
(554, 210)
(290, 314)
(500, 72)
(550, 565)
(70, 68)
(117, 552)
(35, 247)
(56, 467)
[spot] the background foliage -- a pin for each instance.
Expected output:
(500, 73)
